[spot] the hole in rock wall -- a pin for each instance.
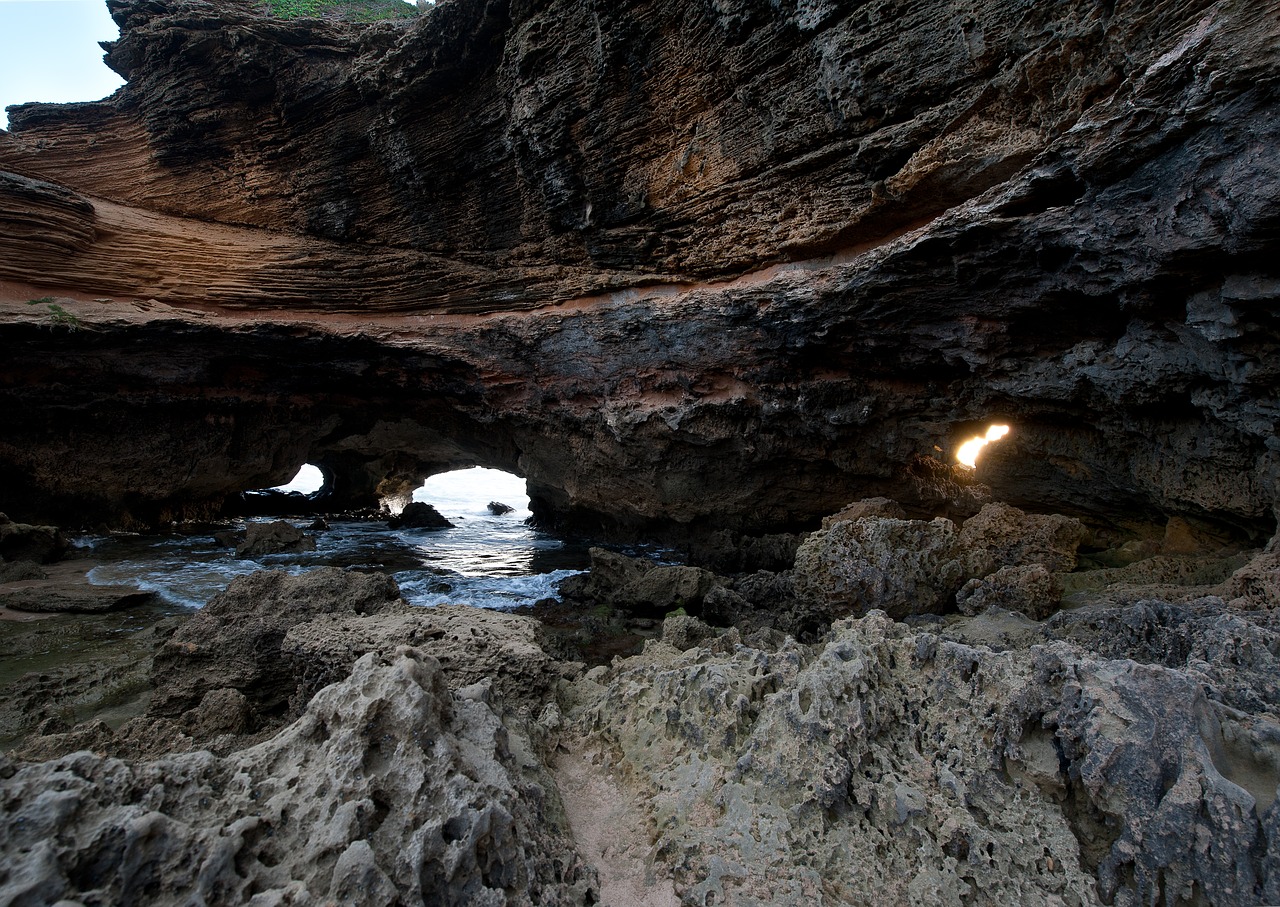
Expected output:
(470, 492)
(309, 480)
(971, 449)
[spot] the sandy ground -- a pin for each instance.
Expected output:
(610, 833)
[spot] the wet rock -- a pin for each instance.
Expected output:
(1031, 590)
(73, 598)
(497, 508)
(419, 515)
(417, 795)
(230, 538)
(279, 537)
(24, 542)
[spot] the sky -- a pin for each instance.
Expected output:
(49, 51)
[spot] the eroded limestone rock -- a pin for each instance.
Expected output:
(903, 567)
(1031, 590)
(894, 767)
(387, 790)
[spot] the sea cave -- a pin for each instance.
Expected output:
(871, 415)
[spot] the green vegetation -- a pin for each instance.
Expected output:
(346, 10)
(58, 316)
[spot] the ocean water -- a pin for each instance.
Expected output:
(486, 560)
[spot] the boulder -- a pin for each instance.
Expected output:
(235, 640)
(902, 567)
(419, 515)
(639, 586)
(609, 573)
(1000, 535)
(23, 542)
(1031, 590)
(497, 508)
(20, 571)
(865, 508)
(279, 537)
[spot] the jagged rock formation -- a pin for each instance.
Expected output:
(715, 265)
(894, 767)
(387, 790)
(1117, 755)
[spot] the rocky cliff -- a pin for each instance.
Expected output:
(723, 264)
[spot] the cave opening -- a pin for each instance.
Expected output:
(308, 480)
(968, 452)
(474, 492)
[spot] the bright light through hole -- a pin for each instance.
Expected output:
(969, 450)
(308, 480)
(468, 492)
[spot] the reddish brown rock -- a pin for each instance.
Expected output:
(682, 267)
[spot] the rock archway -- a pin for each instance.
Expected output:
(671, 294)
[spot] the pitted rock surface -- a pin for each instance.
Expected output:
(387, 790)
(895, 767)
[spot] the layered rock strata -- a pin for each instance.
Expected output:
(713, 266)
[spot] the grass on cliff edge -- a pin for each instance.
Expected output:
(347, 10)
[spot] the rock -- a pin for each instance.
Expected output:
(1003, 536)
(663, 589)
(19, 571)
(913, 767)
(721, 310)
(903, 567)
(610, 572)
(726, 552)
(475, 645)
(417, 794)
(221, 711)
(74, 598)
(638, 586)
(319, 524)
(1184, 536)
(1031, 590)
(230, 538)
(418, 515)
(275, 640)
(278, 537)
(235, 640)
(497, 508)
(682, 632)
(23, 542)
(882, 507)
(1256, 584)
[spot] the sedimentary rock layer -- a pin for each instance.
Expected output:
(677, 264)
